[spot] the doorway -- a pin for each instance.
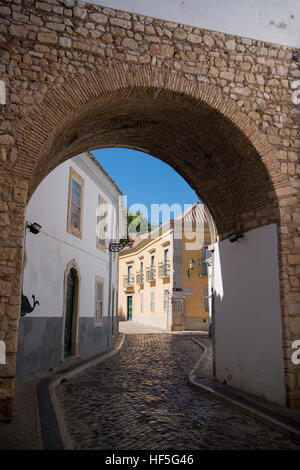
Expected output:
(129, 307)
(71, 314)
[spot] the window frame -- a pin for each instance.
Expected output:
(73, 175)
(166, 256)
(99, 245)
(166, 296)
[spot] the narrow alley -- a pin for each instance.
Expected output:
(140, 399)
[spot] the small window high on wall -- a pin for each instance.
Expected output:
(102, 223)
(75, 205)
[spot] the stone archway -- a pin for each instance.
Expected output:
(211, 131)
(192, 127)
(146, 109)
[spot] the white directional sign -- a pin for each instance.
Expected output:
(182, 289)
(178, 292)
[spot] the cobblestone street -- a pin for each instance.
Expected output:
(140, 399)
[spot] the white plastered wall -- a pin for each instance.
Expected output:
(248, 331)
(276, 21)
(49, 252)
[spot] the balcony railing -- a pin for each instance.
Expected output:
(139, 277)
(150, 274)
(203, 271)
(163, 270)
(128, 280)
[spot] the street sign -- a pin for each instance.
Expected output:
(178, 292)
(182, 289)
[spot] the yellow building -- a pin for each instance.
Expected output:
(163, 275)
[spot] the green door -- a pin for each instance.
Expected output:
(69, 314)
(129, 307)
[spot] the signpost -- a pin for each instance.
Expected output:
(178, 292)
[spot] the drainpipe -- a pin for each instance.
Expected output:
(110, 326)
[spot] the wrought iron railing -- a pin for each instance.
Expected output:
(150, 274)
(163, 269)
(128, 280)
(203, 270)
(139, 277)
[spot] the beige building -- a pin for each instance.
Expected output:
(163, 276)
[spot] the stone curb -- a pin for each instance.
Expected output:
(65, 436)
(207, 387)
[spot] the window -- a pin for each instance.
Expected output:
(203, 268)
(152, 261)
(141, 302)
(207, 252)
(166, 301)
(166, 256)
(206, 299)
(129, 273)
(99, 288)
(102, 223)
(76, 186)
(128, 278)
(152, 302)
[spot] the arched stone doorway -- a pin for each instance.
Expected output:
(193, 127)
(71, 311)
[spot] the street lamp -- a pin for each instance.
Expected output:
(115, 247)
(233, 237)
(34, 227)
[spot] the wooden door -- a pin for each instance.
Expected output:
(129, 307)
(69, 314)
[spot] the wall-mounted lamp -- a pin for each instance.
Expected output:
(34, 227)
(233, 237)
(192, 262)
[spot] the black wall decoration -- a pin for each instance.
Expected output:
(26, 307)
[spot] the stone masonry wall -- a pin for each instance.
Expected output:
(52, 55)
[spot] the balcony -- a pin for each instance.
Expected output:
(150, 274)
(128, 280)
(203, 271)
(163, 270)
(139, 277)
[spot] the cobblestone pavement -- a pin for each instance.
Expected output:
(140, 399)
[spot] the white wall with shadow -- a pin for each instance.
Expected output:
(248, 328)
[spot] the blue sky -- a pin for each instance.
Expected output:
(145, 179)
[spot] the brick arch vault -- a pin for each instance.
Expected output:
(193, 127)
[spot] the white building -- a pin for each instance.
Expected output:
(68, 267)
